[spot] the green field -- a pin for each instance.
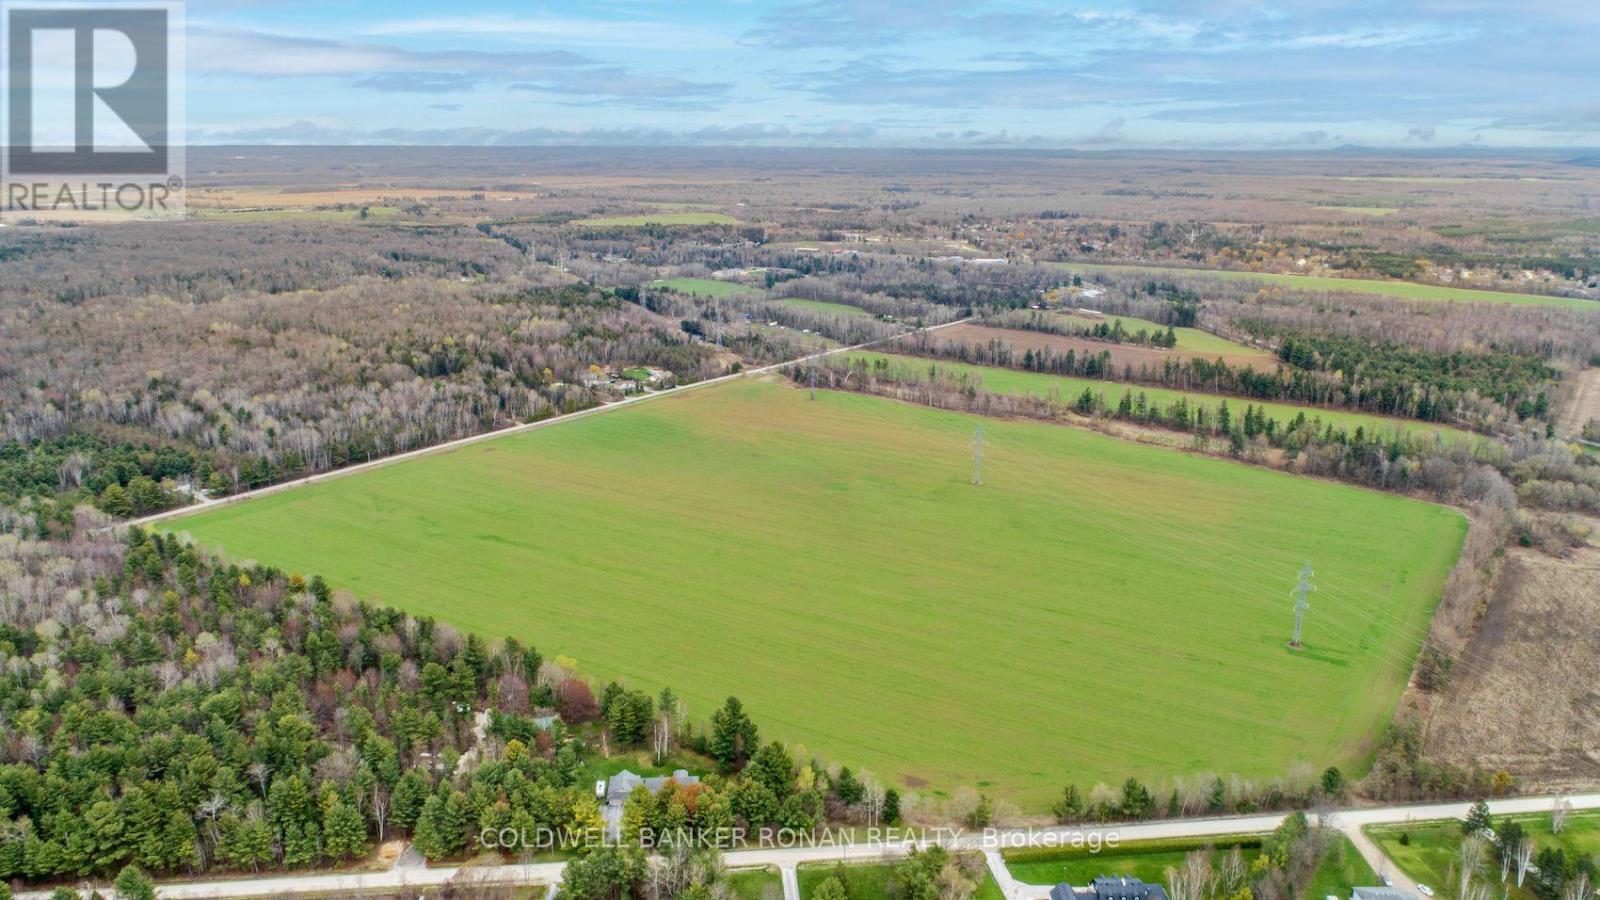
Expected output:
(1096, 609)
(1192, 340)
(659, 218)
(1066, 389)
(1402, 289)
(871, 881)
(1429, 855)
(705, 287)
(1340, 871)
(755, 884)
(375, 213)
(1144, 860)
(843, 309)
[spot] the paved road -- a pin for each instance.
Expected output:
(788, 858)
(517, 429)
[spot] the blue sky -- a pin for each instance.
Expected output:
(1101, 74)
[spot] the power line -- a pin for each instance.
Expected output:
(977, 455)
(1301, 604)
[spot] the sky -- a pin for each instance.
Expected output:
(1095, 75)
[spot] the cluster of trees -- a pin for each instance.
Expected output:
(123, 479)
(1451, 397)
(266, 387)
(1200, 795)
(1404, 380)
(1401, 772)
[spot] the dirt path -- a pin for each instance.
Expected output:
(1584, 405)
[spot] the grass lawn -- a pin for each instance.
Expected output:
(659, 218)
(1144, 860)
(831, 564)
(1341, 871)
(824, 306)
(1403, 289)
(870, 881)
(1429, 855)
(756, 884)
(1039, 384)
(705, 287)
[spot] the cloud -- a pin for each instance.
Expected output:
(418, 82)
(306, 131)
(1109, 133)
(389, 69)
(1420, 133)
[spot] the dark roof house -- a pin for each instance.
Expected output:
(1105, 888)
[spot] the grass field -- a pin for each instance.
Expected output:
(705, 287)
(1429, 856)
(1193, 340)
(1340, 871)
(1065, 389)
(1402, 289)
(659, 218)
(755, 884)
(870, 881)
(831, 564)
(1144, 860)
(843, 309)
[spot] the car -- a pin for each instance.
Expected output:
(1426, 891)
(1387, 881)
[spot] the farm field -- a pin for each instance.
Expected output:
(843, 309)
(1191, 340)
(1023, 340)
(831, 564)
(1066, 389)
(705, 287)
(660, 218)
(1402, 289)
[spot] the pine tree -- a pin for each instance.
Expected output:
(133, 884)
(343, 828)
(733, 735)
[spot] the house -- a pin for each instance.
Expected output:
(1381, 893)
(1105, 888)
(623, 784)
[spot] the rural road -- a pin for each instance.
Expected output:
(518, 429)
(786, 859)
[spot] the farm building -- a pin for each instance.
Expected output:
(1105, 888)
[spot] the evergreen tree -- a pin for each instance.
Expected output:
(733, 735)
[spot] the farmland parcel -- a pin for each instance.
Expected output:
(1095, 609)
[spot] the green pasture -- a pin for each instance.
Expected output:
(1402, 289)
(1066, 390)
(1095, 609)
(705, 287)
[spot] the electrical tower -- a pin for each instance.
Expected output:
(977, 455)
(1301, 603)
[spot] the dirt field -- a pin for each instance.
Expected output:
(1121, 354)
(1525, 696)
(1585, 403)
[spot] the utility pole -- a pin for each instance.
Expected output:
(1301, 604)
(977, 455)
(813, 378)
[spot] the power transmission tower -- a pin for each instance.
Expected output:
(1301, 603)
(977, 455)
